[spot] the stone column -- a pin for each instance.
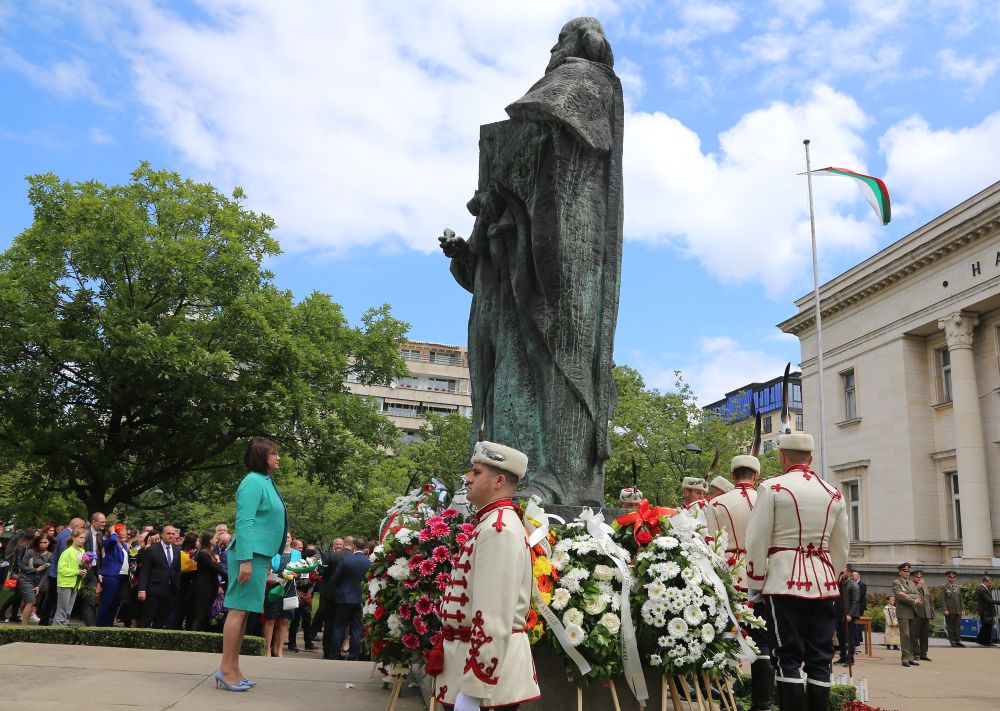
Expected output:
(977, 532)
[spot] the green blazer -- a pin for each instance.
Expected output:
(261, 520)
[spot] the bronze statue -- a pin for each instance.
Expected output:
(543, 263)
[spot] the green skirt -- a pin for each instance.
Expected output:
(247, 596)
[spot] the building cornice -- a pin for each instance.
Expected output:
(902, 259)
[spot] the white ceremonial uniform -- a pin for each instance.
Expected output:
(483, 612)
(730, 512)
(796, 540)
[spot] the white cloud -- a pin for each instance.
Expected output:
(937, 169)
(722, 364)
(69, 78)
(743, 212)
(100, 136)
(351, 124)
(700, 20)
(968, 69)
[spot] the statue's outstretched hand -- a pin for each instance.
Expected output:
(451, 244)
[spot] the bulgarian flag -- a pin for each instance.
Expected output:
(871, 187)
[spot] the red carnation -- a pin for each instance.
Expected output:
(405, 610)
(415, 561)
(379, 612)
(411, 641)
(643, 537)
(419, 625)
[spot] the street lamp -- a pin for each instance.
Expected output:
(692, 448)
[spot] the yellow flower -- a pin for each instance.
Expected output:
(541, 567)
(547, 598)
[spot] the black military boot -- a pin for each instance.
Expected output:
(817, 697)
(762, 685)
(792, 697)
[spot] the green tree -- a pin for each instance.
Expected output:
(142, 343)
(654, 427)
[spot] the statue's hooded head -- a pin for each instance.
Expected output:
(583, 38)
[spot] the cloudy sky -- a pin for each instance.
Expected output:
(354, 124)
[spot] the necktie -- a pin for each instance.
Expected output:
(170, 555)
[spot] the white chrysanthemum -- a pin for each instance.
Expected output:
(656, 590)
(665, 543)
(571, 584)
(647, 613)
(675, 600)
(693, 614)
(671, 569)
(610, 622)
(605, 588)
(689, 574)
(399, 570)
(560, 598)
(395, 625)
(645, 555)
(405, 535)
(664, 640)
(572, 616)
(374, 586)
(563, 546)
(579, 574)
(597, 605)
(616, 603)
(575, 634)
(603, 572)
(695, 649)
(677, 627)
(721, 621)
(378, 550)
(707, 633)
(559, 559)
(655, 660)
(677, 652)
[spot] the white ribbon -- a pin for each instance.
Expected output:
(540, 533)
(631, 664)
(682, 522)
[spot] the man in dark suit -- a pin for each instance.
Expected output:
(347, 580)
(160, 579)
(985, 603)
(331, 559)
(92, 580)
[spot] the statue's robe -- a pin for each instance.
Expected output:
(544, 266)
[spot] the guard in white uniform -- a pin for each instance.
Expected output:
(695, 502)
(487, 656)
(729, 513)
(796, 543)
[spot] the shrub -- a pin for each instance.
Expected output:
(875, 610)
(841, 694)
(130, 637)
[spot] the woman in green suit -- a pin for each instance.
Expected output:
(261, 523)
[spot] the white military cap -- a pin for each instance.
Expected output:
(694, 482)
(799, 441)
(722, 484)
(630, 495)
(501, 457)
(745, 460)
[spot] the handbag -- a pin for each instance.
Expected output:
(290, 603)
(10, 583)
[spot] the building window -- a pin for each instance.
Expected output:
(440, 409)
(799, 422)
(796, 396)
(442, 358)
(399, 409)
(944, 363)
(408, 381)
(854, 509)
(768, 446)
(410, 354)
(956, 506)
(850, 396)
(442, 384)
(765, 425)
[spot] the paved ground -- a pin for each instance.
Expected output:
(45, 677)
(50, 678)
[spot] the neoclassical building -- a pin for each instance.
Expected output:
(911, 351)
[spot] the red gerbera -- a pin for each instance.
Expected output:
(411, 641)
(405, 610)
(425, 605)
(427, 567)
(449, 513)
(441, 554)
(443, 580)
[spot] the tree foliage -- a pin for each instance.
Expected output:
(654, 427)
(142, 343)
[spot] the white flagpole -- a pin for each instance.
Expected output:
(819, 327)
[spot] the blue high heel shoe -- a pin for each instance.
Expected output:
(249, 682)
(221, 683)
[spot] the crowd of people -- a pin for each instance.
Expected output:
(110, 575)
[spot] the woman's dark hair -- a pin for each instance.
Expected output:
(256, 454)
(206, 541)
(190, 540)
(36, 543)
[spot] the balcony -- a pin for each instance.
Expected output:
(457, 361)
